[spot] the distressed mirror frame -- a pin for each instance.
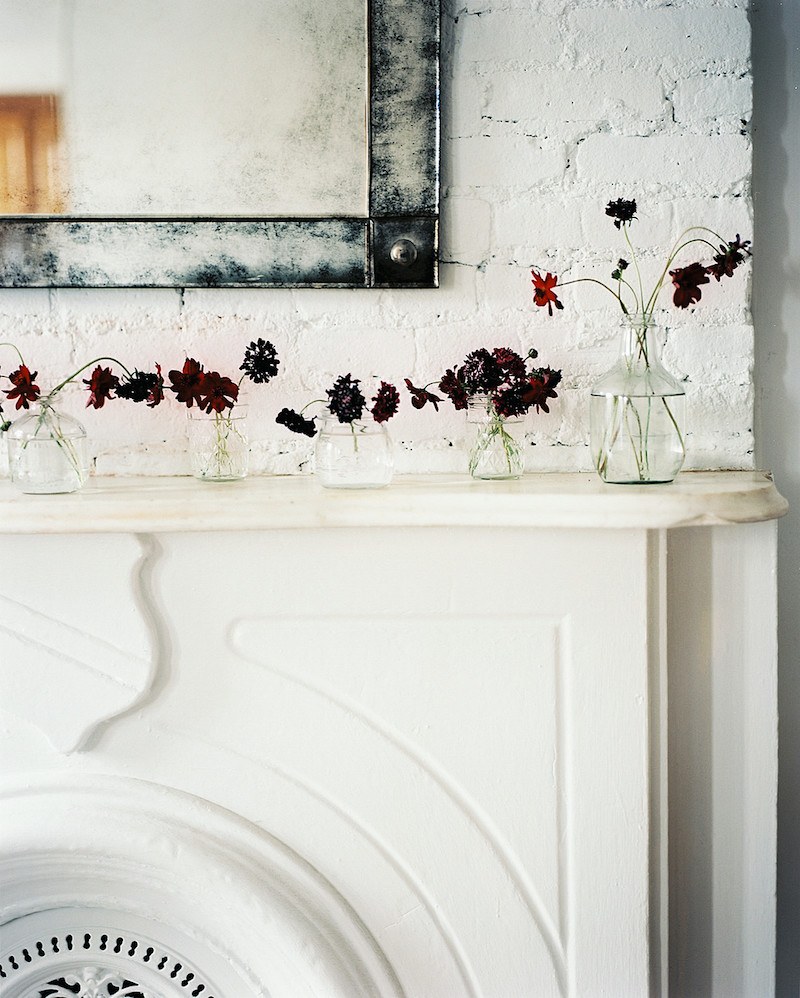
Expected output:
(394, 246)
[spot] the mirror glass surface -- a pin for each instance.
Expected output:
(233, 143)
(183, 107)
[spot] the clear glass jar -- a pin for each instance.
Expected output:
(47, 451)
(637, 412)
(219, 450)
(495, 443)
(355, 455)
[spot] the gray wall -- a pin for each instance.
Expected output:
(776, 310)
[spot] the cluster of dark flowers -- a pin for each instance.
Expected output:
(727, 256)
(512, 384)
(347, 403)
(192, 385)
(211, 391)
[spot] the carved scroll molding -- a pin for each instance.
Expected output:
(78, 632)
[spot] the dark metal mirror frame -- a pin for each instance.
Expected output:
(394, 246)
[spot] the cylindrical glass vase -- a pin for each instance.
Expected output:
(637, 412)
(355, 455)
(219, 450)
(495, 443)
(47, 451)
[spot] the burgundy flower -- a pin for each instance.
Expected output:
(454, 389)
(143, 386)
(543, 293)
(100, 385)
(480, 372)
(730, 256)
(509, 362)
(541, 386)
(187, 383)
(345, 399)
(421, 396)
(387, 402)
(621, 211)
(296, 423)
(687, 281)
(217, 393)
(510, 400)
(24, 390)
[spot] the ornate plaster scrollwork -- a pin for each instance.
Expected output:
(78, 644)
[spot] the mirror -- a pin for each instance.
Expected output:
(188, 143)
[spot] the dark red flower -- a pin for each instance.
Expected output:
(217, 393)
(687, 281)
(543, 293)
(541, 386)
(296, 423)
(100, 385)
(730, 256)
(421, 396)
(453, 387)
(345, 399)
(143, 386)
(480, 372)
(24, 390)
(187, 384)
(621, 211)
(509, 362)
(510, 400)
(387, 402)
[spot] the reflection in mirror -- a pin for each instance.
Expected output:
(183, 107)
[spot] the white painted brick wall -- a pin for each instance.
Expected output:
(550, 109)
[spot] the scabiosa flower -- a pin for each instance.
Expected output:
(509, 401)
(143, 386)
(217, 393)
(730, 256)
(187, 382)
(453, 387)
(260, 361)
(480, 372)
(509, 362)
(387, 402)
(543, 293)
(24, 390)
(687, 281)
(101, 384)
(421, 396)
(297, 423)
(623, 212)
(345, 399)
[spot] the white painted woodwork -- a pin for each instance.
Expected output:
(413, 755)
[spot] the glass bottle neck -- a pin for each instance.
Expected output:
(640, 342)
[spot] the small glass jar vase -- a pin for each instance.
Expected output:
(218, 446)
(355, 455)
(637, 412)
(47, 451)
(495, 443)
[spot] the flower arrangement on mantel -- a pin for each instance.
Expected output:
(497, 387)
(352, 451)
(636, 412)
(218, 442)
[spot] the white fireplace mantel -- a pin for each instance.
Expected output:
(445, 740)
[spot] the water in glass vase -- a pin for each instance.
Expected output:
(47, 452)
(637, 413)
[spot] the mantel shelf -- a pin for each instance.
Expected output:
(157, 505)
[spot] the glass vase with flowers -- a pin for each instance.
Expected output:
(47, 449)
(353, 448)
(637, 428)
(497, 388)
(219, 447)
